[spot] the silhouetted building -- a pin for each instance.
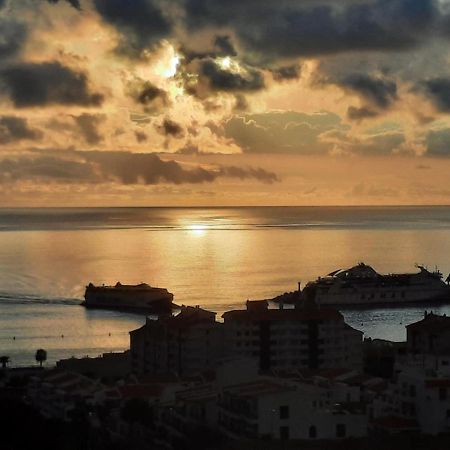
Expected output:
(304, 337)
(431, 335)
(108, 365)
(185, 344)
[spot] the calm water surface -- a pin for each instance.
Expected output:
(213, 257)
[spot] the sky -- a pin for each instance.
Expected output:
(224, 103)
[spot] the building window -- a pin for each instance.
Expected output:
(284, 412)
(284, 433)
(341, 432)
(312, 432)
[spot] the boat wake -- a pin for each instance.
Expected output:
(25, 299)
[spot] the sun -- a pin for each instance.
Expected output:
(198, 229)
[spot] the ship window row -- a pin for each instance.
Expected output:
(401, 294)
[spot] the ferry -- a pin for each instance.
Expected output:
(140, 297)
(361, 285)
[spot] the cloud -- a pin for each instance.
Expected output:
(48, 83)
(13, 35)
(171, 128)
(87, 125)
(141, 23)
(284, 73)
(222, 79)
(45, 168)
(74, 3)
(438, 89)
(140, 136)
(14, 129)
(380, 92)
(362, 113)
(117, 167)
(282, 132)
(273, 30)
(243, 173)
(224, 46)
(151, 97)
(438, 142)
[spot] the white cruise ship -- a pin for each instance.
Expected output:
(361, 285)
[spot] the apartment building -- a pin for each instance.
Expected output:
(273, 408)
(309, 337)
(185, 344)
(431, 335)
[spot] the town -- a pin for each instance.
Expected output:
(262, 378)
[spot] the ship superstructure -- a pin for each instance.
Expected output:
(362, 285)
(127, 296)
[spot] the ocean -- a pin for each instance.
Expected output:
(213, 257)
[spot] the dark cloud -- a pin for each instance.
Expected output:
(41, 84)
(75, 3)
(277, 29)
(13, 129)
(88, 125)
(222, 79)
(151, 97)
(45, 168)
(140, 136)
(171, 128)
(362, 113)
(291, 72)
(220, 48)
(13, 35)
(133, 168)
(438, 89)
(243, 173)
(378, 91)
(141, 23)
(224, 46)
(119, 167)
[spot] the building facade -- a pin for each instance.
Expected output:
(185, 344)
(309, 337)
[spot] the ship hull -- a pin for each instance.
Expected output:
(140, 298)
(361, 287)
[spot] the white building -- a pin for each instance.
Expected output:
(420, 393)
(269, 407)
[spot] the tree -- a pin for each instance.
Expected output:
(4, 360)
(41, 356)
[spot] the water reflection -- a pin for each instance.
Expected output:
(216, 258)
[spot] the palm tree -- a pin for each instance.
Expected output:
(4, 360)
(41, 356)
